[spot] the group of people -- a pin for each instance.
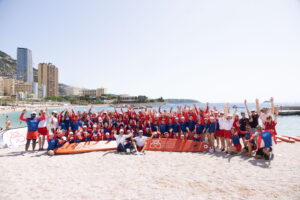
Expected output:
(131, 129)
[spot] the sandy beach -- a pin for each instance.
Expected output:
(156, 175)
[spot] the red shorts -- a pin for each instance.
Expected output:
(238, 147)
(227, 134)
(140, 148)
(32, 135)
(43, 131)
(219, 133)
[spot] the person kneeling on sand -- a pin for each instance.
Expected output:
(120, 139)
(264, 144)
(140, 142)
(236, 142)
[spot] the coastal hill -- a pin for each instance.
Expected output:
(8, 65)
(181, 101)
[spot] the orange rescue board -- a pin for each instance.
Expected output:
(296, 138)
(83, 147)
(176, 145)
(286, 139)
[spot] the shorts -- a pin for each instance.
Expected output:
(219, 133)
(43, 131)
(32, 135)
(260, 151)
(140, 148)
(227, 134)
(238, 147)
(241, 135)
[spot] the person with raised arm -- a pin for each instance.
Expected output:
(228, 123)
(269, 123)
(43, 130)
(253, 118)
(140, 142)
(32, 123)
(120, 139)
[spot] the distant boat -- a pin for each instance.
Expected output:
(267, 101)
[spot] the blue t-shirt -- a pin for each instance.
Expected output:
(212, 128)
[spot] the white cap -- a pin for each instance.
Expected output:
(84, 126)
(95, 126)
(33, 113)
(182, 117)
(71, 133)
(64, 138)
(121, 130)
(176, 117)
(229, 115)
(107, 133)
(236, 114)
(128, 130)
(252, 110)
(155, 133)
(222, 112)
(140, 131)
(54, 112)
(211, 118)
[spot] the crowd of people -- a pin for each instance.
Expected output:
(237, 133)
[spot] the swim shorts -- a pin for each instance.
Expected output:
(43, 131)
(32, 135)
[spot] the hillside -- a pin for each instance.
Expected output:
(181, 101)
(8, 65)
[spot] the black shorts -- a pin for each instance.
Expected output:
(241, 135)
(260, 151)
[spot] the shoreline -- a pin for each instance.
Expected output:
(28, 107)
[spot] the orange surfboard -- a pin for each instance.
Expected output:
(286, 139)
(83, 147)
(176, 145)
(294, 138)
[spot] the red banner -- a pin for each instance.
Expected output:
(177, 145)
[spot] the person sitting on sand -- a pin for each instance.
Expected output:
(120, 139)
(32, 124)
(250, 145)
(236, 142)
(51, 143)
(140, 142)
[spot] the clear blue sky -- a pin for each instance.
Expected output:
(212, 50)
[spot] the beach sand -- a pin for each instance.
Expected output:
(156, 175)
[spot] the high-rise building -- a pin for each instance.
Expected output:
(101, 91)
(9, 86)
(25, 88)
(24, 65)
(89, 92)
(48, 76)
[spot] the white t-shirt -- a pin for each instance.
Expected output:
(43, 124)
(140, 141)
(54, 122)
(221, 123)
(262, 143)
(121, 139)
(227, 124)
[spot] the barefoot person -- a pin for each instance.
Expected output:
(120, 139)
(42, 130)
(32, 123)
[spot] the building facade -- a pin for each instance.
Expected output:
(101, 91)
(24, 65)
(48, 76)
(89, 92)
(24, 88)
(9, 86)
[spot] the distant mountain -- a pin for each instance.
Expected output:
(8, 65)
(181, 101)
(62, 89)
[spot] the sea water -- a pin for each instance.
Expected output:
(286, 125)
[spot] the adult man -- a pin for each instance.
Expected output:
(32, 123)
(140, 142)
(7, 123)
(120, 139)
(243, 123)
